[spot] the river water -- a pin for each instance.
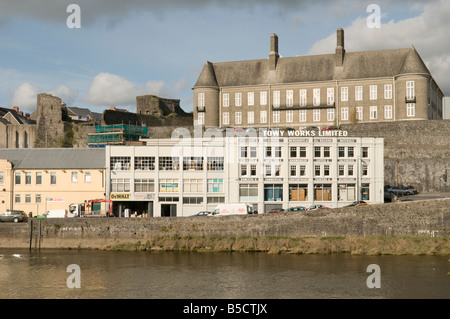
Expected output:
(159, 275)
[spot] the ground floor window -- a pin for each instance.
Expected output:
(346, 192)
(248, 192)
(273, 192)
(322, 192)
(365, 191)
(298, 192)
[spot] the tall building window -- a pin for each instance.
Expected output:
(226, 99)
(248, 192)
(316, 115)
(388, 91)
(373, 92)
(344, 113)
(359, 113)
(74, 177)
(289, 116)
(2, 178)
(276, 98)
(410, 94)
(87, 177)
(358, 93)
(302, 116)
(410, 109)
(238, 118)
(250, 117)
(373, 112)
(263, 98)
(344, 94)
(316, 97)
(263, 117)
(226, 118)
(201, 100)
(330, 115)
(201, 118)
(250, 98)
(238, 99)
(388, 111)
(330, 96)
(276, 116)
(289, 98)
(303, 99)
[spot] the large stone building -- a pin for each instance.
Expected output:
(317, 90)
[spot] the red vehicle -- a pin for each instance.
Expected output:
(276, 211)
(331, 128)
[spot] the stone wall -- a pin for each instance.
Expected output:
(49, 121)
(429, 218)
(416, 152)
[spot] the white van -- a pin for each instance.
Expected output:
(233, 209)
(56, 213)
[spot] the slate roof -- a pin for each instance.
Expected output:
(19, 118)
(311, 68)
(55, 158)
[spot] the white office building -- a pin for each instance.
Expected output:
(182, 176)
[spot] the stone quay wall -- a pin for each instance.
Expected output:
(420, 219)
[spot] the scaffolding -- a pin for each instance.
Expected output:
(118, 134)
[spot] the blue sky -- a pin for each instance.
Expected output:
(129, 48)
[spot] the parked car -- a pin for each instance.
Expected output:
(317, 206)
(358, 203)
(202, 214)
(331, 128)
(312, 128)
(400, 191)
(296, 209)
(13, 216)
(276, 211)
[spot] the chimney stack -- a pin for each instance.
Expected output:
(16, 108)
(340, 50)
(273, 55)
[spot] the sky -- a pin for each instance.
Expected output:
(124, 49)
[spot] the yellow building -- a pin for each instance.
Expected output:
(38, 180)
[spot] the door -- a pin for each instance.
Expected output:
(168, 210)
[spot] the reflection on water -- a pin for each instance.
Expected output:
(161, 275)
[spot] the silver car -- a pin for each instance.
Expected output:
(13, 216)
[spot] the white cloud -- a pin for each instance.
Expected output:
(427, 33)
(110, 89)
(25, 97)
(66, 94)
